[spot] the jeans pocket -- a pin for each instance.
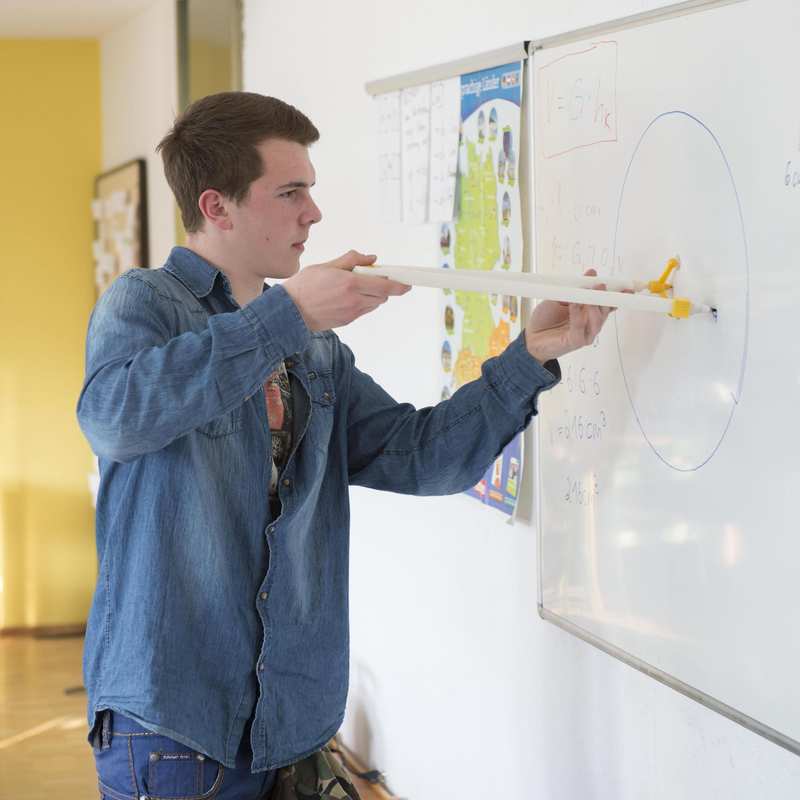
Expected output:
(143, 764)
(183, 774)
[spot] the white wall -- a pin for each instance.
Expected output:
(139, 101)
(458, 688)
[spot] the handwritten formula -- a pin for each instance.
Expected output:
(578, 99)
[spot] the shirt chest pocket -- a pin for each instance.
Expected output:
(223, 425)
(321, 412)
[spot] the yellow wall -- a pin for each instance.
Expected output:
(50, 151)
(210, 69)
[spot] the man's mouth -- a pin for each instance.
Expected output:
(299, 246)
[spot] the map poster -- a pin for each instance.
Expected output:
(485, 234)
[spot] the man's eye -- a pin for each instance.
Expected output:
(290, 193)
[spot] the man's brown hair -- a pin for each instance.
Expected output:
(212, 145)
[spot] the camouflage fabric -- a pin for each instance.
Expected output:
(320, 776)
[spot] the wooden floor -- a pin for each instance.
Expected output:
(43, 750)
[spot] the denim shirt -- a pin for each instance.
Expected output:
(208, 611)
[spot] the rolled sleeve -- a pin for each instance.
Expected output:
(517, 378)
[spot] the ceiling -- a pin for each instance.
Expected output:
(65, 18)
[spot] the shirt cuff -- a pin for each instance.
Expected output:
(518, 378)
(278, 324)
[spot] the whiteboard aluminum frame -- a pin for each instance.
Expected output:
(450, 69)
(704, 699)
(625, 23)
(712, 703)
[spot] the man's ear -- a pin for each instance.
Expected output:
(214, 207)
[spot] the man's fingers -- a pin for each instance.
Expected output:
(577, 315)
(596, 319)
(548, 314)
(585, 322)
(576, 331)
(379, 286)
(588, 329)
(353, 259)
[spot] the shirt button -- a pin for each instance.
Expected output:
(326, 397)
(289, 363)
(263, 595)
(286, 482)
(271, 529)
(312, 375)
(260, 667)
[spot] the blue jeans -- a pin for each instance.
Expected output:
(135, 764)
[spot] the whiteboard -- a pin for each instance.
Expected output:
(668, 457)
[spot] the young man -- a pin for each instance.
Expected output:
(230, 421)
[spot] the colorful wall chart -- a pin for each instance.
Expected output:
(486, 234)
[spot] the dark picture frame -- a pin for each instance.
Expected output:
(119, 210)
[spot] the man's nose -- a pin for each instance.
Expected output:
(311, 214)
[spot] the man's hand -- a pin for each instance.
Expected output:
(555, 329)
(330, 295)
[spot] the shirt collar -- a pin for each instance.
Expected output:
(194, 272)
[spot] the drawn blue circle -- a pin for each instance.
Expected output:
(743, 364)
